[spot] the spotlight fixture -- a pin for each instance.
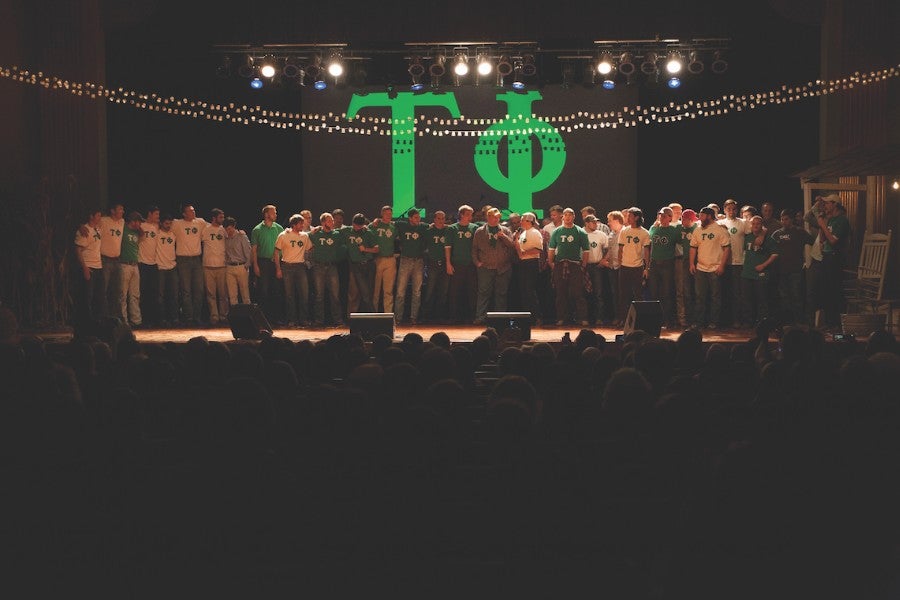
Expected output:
(291, 68)
(267, 67)
(673, 83)
(568, 73)
(436, 68)
(896, 185)
(223, 71)
(518, 83)
(256, 83)
(605, 65)
(417, 86)
(648, 66)
(609, 83)
(314, 68)
(626, 64)
(320, 84)
(695, 65)
(416, 68)
(504, 67)
(719, 65)
(461, 66)
(674, 63)
(335, 66)
(528, 68)
(246, 69)
(484, 65)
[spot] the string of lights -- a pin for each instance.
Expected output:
(421, 126)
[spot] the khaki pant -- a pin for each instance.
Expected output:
(130, 295)
(385, 276)
(237, 279)
(216, 294)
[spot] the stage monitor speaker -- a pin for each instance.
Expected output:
(369, 325)
(517, 321)
(644, 316)
(248, 322)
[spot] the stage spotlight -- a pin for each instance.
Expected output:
(223, 71)
(314, 68)
(674, 63)
(626, 64)
(416, 68)
(484, 65)
(605, 65)
(529, 69)
(568, 74)
(461, 66)
(320, 84)
(719, 64)
(335, 67)
(695, 65)
(609, 84)
(648, 66)
(436, 68)
(246, 68)
(256, 83)
(673, 83)
(267, 67)
(518, 83)
(504, 67)
(896, 185)
(291, 69)
(417, 86)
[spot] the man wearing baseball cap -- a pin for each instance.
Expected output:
(710, 253)
(834, 232)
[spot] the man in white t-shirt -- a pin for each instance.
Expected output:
(214, 268)
(289, 257)
(147, 267)
(87, 248)
(112, 226)
(556, 218)
(188, 248)
(737, 229)
(167, 274)
(710, 253)
(597, 262)
(634, 260)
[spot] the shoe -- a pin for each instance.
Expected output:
(413, 322)
(291, 325)
(477, 322)
(711, 326)
(339, 325)
(560, 323)
(585, 324)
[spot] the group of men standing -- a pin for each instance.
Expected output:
(157, 270)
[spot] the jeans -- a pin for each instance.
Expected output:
(112, 287)
(91, 297)
(268, 289)
(708, 284)
(832, 289)
(362, 275)
(814, 284)
(789, 285)
(492, 283)
(595, 272)
(130, 296)
(568, 279)
(614, 292)
(325, 275)
(755, 294)
(662, 282)
(462, 283)
(631, 281)
(528, 278)
(167, 294)
(739, 305)
(684, 291)
(411, 269)
(190, 281)
(437, 284)
(149, 285)
(296, 292)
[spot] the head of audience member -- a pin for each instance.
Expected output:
(616, 220)
(269, 213)
(465, 214)
(518, 391)
(731, 207)
(628, 397)
(296, 223)
(440, 219)
(440, 339)
(665, 216)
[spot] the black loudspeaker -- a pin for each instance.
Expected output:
(248, 322)
(368, 325)
(644, 316)
(516, 321)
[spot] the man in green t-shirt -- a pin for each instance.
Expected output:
(362, 245)
(130, 295)
(664, 239)
(413, 237)
(567, 256)
(262, 247)
(760, 251)
(326, 242)
(834, 234)
(437, 282)
(458, 258)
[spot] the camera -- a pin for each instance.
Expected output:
(843, 337)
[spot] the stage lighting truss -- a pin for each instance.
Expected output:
(509, 63)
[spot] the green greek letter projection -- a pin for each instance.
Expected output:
(520, 183)
(403, 145)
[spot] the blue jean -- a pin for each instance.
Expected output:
(363, 276)
(411, 269)
(191, 283)
(528, 281)
(662, 285)
(437, 285)
(708, 284)
(167, 294)
(462, 281)
(492, 283)
(789, 285)
(326, 275)
(755, 294)
(595, 272)
(296, 292)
